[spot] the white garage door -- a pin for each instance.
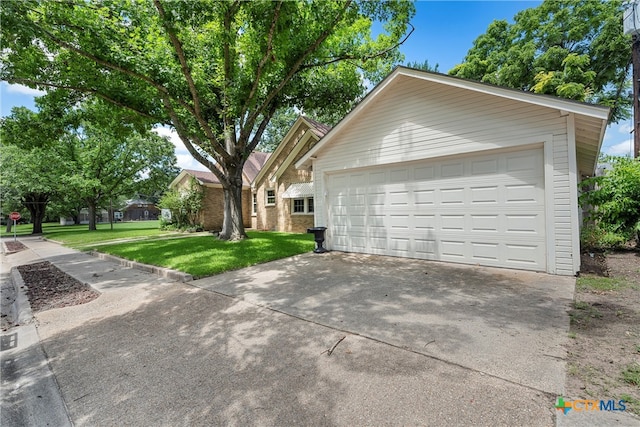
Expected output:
(481, 209)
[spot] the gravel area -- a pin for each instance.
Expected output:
(48, 287)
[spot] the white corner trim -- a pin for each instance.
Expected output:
(549, 203)
(573, 192)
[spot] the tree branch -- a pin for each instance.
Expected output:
(261, 127)
(293, 70)
(177, 46)
(229, 127)
(364, 58)
(263, 61)
(161, 89)
(186, 140)
(85, 90)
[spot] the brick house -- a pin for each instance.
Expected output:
(139, 209)
(281, 195)
(212, 214)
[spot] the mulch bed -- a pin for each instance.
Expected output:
(14, 246)
(48, 287)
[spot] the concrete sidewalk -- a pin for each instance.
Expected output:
(153, 352)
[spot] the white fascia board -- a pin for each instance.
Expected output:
(563, 105)
(272, 158)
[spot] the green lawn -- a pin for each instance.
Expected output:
(204, 255)
(199, 254)
(79, 236)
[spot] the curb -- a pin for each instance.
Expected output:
(167, 273)
(21, 305)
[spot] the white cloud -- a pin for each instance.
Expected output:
(185, 159)
(23, 90)
(618, 149)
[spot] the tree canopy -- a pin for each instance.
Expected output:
(91, 152)
(574, 49)
(215, 71)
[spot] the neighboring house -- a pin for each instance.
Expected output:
(436, 167)
(137, 210)
(282, 196)
(102, 215)
(212, 213)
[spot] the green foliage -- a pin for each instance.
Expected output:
(574, 49)
(633, 403)
(185, 205)
(594, 237)
(277, 129)
(597, 283)
(205, 255)
(631, 374)
(424, 66)
(215, 71)
(614, 199)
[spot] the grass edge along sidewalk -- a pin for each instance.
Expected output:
(198, 254)
(205, 255)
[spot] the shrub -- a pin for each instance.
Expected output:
(614, 199)
(184, 204)
(594, 237)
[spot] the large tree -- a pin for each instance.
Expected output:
(30, 177)
(574, 49)
(110, 158)
(31, 165)
(216, 71)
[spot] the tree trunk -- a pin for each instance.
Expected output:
(232, 224)
(9, 225)
(37, 204)
(92, 216)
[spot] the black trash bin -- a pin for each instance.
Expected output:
(318, 233)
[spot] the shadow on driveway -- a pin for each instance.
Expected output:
(507, 323)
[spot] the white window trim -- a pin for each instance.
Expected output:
(254, 204)
(306, 206)
(266, 197)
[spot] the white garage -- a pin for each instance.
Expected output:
(434, 167)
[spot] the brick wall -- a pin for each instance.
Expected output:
(279, 217)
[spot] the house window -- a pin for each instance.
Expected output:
(254, 208)
(302, 206)
(271, 197)
(298, 205)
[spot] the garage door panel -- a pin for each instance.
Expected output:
(424, 173)
(452, 249)
(485, 223)
(522, 254)
(451, 170)
(452, 222)
(484, 167)
(452, 196)
(398, 198)
(485, 209)
(521, 193)
(424, 197)
(485, 251)
(524, 223)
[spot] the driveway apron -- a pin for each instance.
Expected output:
(506, 323)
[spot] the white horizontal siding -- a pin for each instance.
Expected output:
(413, 120)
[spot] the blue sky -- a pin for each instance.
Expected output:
(444, 32)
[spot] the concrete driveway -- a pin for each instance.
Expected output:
(418, 343)
(505, 323)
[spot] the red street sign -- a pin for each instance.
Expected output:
(14, 216)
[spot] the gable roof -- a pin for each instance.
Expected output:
(317, 129)
(590, 120)
(252, 167)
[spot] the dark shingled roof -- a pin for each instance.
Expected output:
(251, 168)
(318, 128)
